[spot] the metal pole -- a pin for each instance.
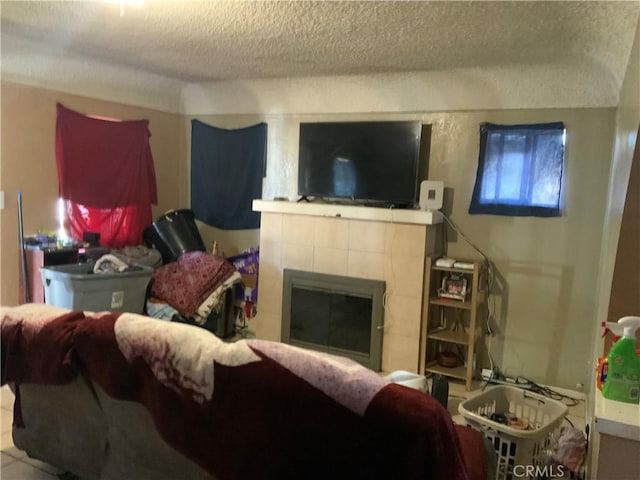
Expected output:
(23, 255)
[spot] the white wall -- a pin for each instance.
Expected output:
(30, 63)
(513, 87)
(625, 138)
(627, 122)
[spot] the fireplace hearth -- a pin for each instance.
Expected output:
(334, 314)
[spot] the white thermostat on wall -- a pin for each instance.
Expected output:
(431, 193)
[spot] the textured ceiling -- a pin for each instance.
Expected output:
(217, 40)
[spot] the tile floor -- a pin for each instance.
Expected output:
(16, 465)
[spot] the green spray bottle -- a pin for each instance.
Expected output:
(623, 376)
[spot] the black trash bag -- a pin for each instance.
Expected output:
(173, 234)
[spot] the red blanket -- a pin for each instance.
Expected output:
(249, 409)
(104, 163)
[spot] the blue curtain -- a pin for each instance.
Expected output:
(227, 167)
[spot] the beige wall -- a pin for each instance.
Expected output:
(546, 273)
(28, 164)
(547, 269)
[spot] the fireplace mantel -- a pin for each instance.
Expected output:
(354, 212)
(389, 245)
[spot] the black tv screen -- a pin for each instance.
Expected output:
(360, 161)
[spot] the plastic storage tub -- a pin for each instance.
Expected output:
(76, 287)
(521, 453)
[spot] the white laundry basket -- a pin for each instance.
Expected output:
(521, 453)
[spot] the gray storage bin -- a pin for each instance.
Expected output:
(76, 287)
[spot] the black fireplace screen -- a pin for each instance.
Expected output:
(335, 314)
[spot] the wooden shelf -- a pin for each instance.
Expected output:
(452, 269)
(455, 372)
(450, 302)
(461, 338)
(442, 315)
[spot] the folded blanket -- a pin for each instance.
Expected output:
(109, 263)
(214, 302)
(186, 283)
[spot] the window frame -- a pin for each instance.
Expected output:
(515, 209)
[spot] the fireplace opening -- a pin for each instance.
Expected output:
(334, 314)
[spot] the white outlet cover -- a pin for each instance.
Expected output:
(1, 200)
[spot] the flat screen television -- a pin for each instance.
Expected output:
(364, 162)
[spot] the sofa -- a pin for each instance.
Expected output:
(125, 396)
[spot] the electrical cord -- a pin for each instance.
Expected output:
(489, 281)
(546, 391)
(461, 233)
(550, 393)
(525, 383)
(445, 238)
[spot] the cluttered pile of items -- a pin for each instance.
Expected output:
(173, 278)
(196, 287)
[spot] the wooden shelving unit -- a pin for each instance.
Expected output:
(453, 325)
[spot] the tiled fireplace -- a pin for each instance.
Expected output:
(359, 242)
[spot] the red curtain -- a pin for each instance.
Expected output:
(106, 175)
(118, 227)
